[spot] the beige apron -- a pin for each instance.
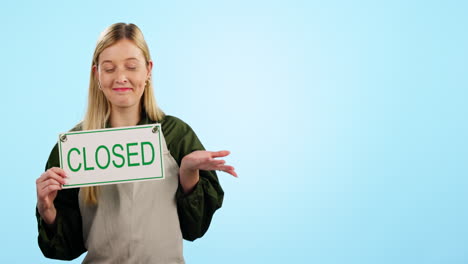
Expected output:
(135, 222)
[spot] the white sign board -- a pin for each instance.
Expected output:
(109, 156)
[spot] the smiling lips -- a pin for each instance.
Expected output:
(122, 89)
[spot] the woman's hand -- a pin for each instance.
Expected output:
(202, 160)
(46, 187)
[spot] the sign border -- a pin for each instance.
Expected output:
(108, 130)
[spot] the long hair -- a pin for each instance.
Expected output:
(99, 108)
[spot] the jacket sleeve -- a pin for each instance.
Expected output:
(64, 239)
(197, 208)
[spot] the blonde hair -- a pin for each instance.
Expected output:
(99, 108)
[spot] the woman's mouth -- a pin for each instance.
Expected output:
(122, 89)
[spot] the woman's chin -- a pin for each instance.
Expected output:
(123, 104)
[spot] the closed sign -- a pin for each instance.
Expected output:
(109, 156)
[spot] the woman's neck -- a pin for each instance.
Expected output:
(121, 117)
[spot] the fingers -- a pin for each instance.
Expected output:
(218, 154)
(206, 160)
(46, 187)
(232, 172)
(49, 189)
(43, 185)
(220, 164)
(216, 162)
(227, 169)
(54, 173)
(49, 182)
(59, 171)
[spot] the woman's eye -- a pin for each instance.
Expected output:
(131, 67)
(109, 70)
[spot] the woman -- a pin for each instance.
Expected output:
(140, 222)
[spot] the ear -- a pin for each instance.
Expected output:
(149, 67)
(94, 69)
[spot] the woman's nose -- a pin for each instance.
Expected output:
(121, 78)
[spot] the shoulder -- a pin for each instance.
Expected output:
(180, 138)
(53, 160)
(77, 127)
(174, 127)
(172, 120)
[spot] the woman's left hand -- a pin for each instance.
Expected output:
(202, 160)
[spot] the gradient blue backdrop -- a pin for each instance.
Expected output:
(346, 120)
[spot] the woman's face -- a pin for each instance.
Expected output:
(122, 73)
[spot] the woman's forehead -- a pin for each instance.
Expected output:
(123, 50)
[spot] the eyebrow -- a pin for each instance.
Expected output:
(132, 58)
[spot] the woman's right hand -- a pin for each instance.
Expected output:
(46, 187)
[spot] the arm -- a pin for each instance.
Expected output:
(199, 194)
(61, 238)
(196, 209)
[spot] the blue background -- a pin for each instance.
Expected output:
(346, 120)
